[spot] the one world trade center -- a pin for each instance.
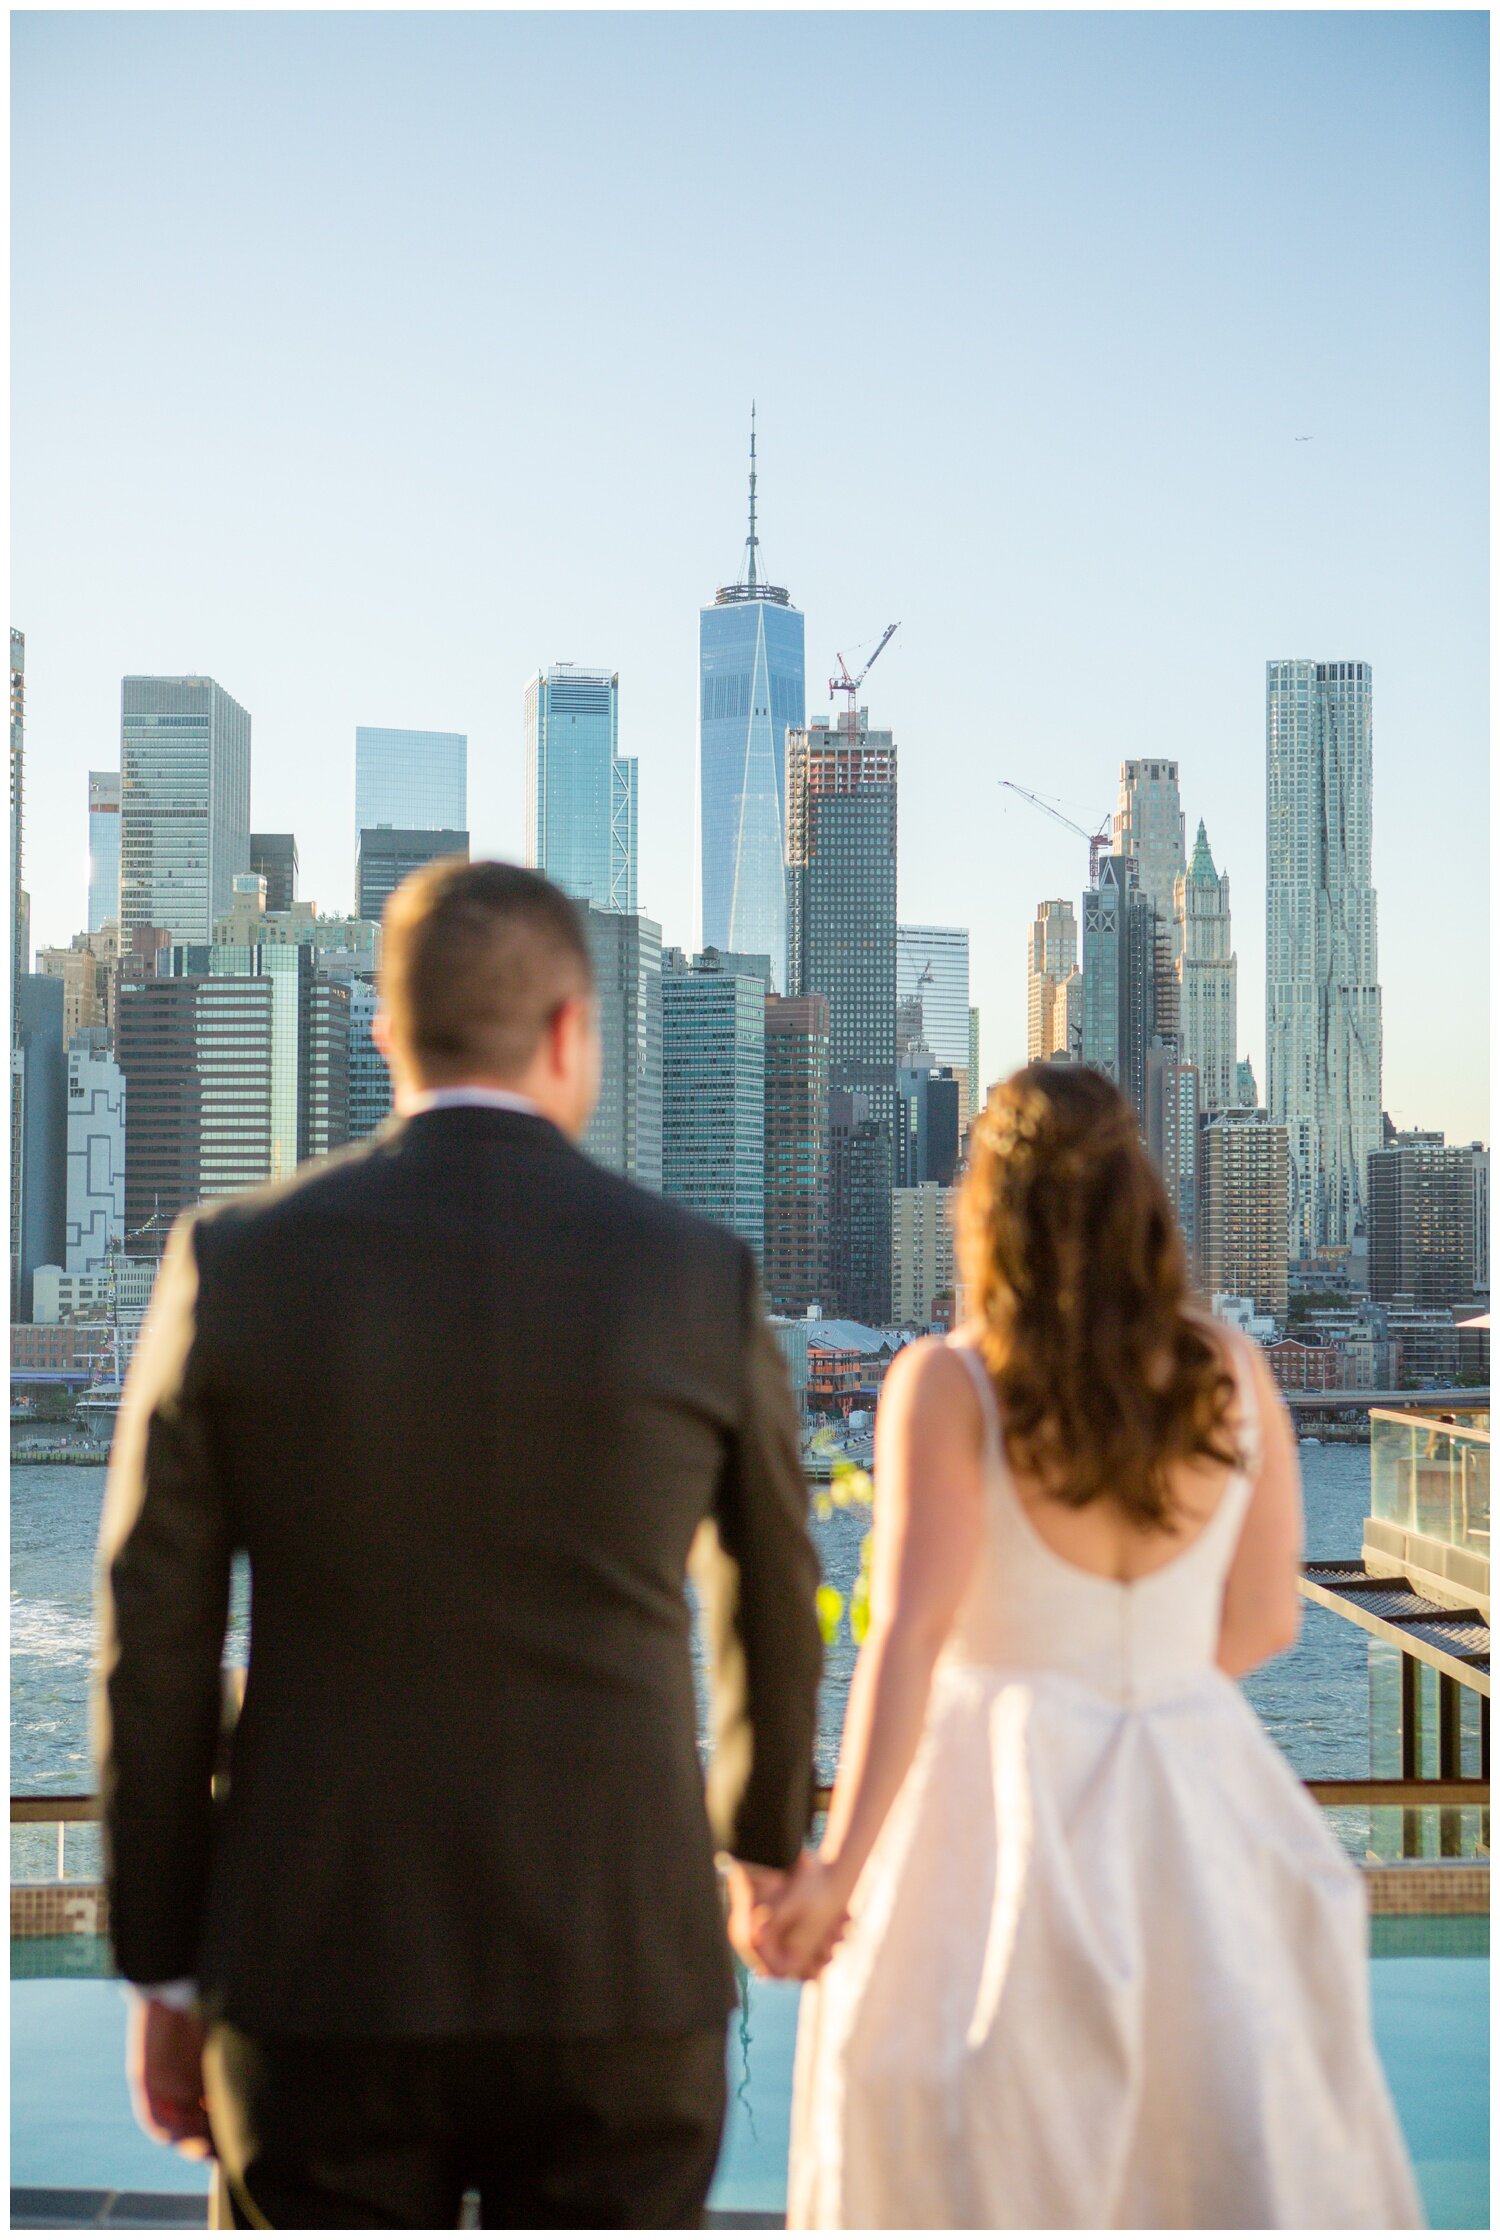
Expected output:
(750, 688)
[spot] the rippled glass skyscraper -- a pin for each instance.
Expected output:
(1323, 1025)
(751, 687)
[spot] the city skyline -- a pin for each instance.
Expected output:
(1086, 572)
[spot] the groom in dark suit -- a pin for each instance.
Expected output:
(467, 1401)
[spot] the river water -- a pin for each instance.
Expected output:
(1315, 1700)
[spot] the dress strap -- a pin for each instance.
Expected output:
(989, 1405)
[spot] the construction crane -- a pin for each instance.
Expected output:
(843, 682)
(1100, 841)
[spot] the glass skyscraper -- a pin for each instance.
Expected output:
(1119, 977)
(369, 1080)
(273, 855)
(842, 897)
(580, 794)
(932, 969)
(417, 781)
(104, 848)
(713, 1129)
(751, 688)
(184, 804)
(625, 1130)
(389, 854)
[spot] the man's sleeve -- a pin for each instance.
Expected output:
(758, 1578)
(163, 1600)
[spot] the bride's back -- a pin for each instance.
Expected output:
(1119, 1428)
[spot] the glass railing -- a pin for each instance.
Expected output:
(1431, 1474)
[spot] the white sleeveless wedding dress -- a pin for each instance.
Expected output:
(1107, 1965)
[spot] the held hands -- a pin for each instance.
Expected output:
(164, 2062)
(787, 1924)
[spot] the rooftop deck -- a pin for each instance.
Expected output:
(79, 2161)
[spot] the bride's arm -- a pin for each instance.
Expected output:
(1262, 1608)
(929, 1512)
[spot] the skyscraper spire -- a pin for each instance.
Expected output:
(751, 583)
(754, 540)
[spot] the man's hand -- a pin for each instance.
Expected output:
(164, 2063)
(751, 1893)
(798, 1932)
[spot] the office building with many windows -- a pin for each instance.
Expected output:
(1150, 828)
(625, 1132)
(1243, 1183)
(1173, 1093)
(1323, 1024)
(1423, 1243)
(1051, 962)
(104, 849)
(1120, 978)
(273, 857)
(713, 1137)
(581, 795)
(932, 971)
(96, 1153)
(797, 1173)
(751, 691)
(236, 1063)
(87, 971)
(931, 1102)
(40, 1210)
(309, 1085)
(370, 1097)
(392, 853)
(184, 804)
(922, 1256)
(841, 887)
(414, 781)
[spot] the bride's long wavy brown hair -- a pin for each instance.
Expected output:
(1074, 1265)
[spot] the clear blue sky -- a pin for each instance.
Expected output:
(367, 362)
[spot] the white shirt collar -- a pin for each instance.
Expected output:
(497, 1100)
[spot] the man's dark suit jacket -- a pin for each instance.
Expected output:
(466, 1399)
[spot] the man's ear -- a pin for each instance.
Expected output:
(569, 1023)
(380, 1034)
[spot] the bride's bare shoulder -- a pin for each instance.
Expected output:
(926, 1379)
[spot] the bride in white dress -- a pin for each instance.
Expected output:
(1104, 1965)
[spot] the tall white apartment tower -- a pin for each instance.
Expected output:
(1207, 978)
(1323, 1045)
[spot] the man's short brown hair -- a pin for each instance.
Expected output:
(477, 959)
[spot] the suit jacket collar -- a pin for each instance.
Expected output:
(473, 1123)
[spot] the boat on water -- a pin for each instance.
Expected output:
(1310, 1439)
(99, 1407)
